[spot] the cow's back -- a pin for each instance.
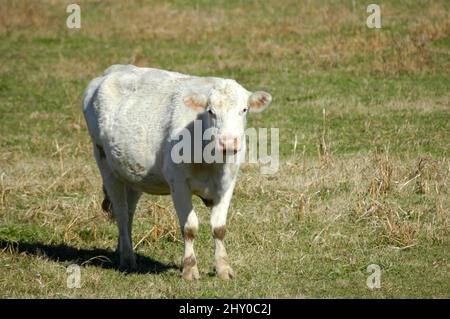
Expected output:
(128, 111)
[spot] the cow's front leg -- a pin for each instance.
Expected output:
(218, 225)
(182, 199)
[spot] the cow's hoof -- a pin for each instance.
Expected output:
(190, 273)
(225, 272)
(190, 270)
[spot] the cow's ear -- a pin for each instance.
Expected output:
(259, 101)
(197, 102)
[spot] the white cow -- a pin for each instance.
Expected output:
(131, 113)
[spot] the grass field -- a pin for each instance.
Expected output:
(366, 183)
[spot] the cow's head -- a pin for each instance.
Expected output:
(226, 108)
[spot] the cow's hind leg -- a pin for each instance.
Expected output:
(132, 200)
(117, 198)
(117, 192)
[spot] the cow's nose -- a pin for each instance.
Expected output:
(229, 143)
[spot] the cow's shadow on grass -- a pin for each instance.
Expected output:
(98, 257)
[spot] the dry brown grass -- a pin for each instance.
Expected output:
(22, 15)
(399, 200)
(268, 40)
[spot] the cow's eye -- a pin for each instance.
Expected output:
(244, 110)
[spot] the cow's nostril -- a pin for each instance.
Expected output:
(230, 143)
